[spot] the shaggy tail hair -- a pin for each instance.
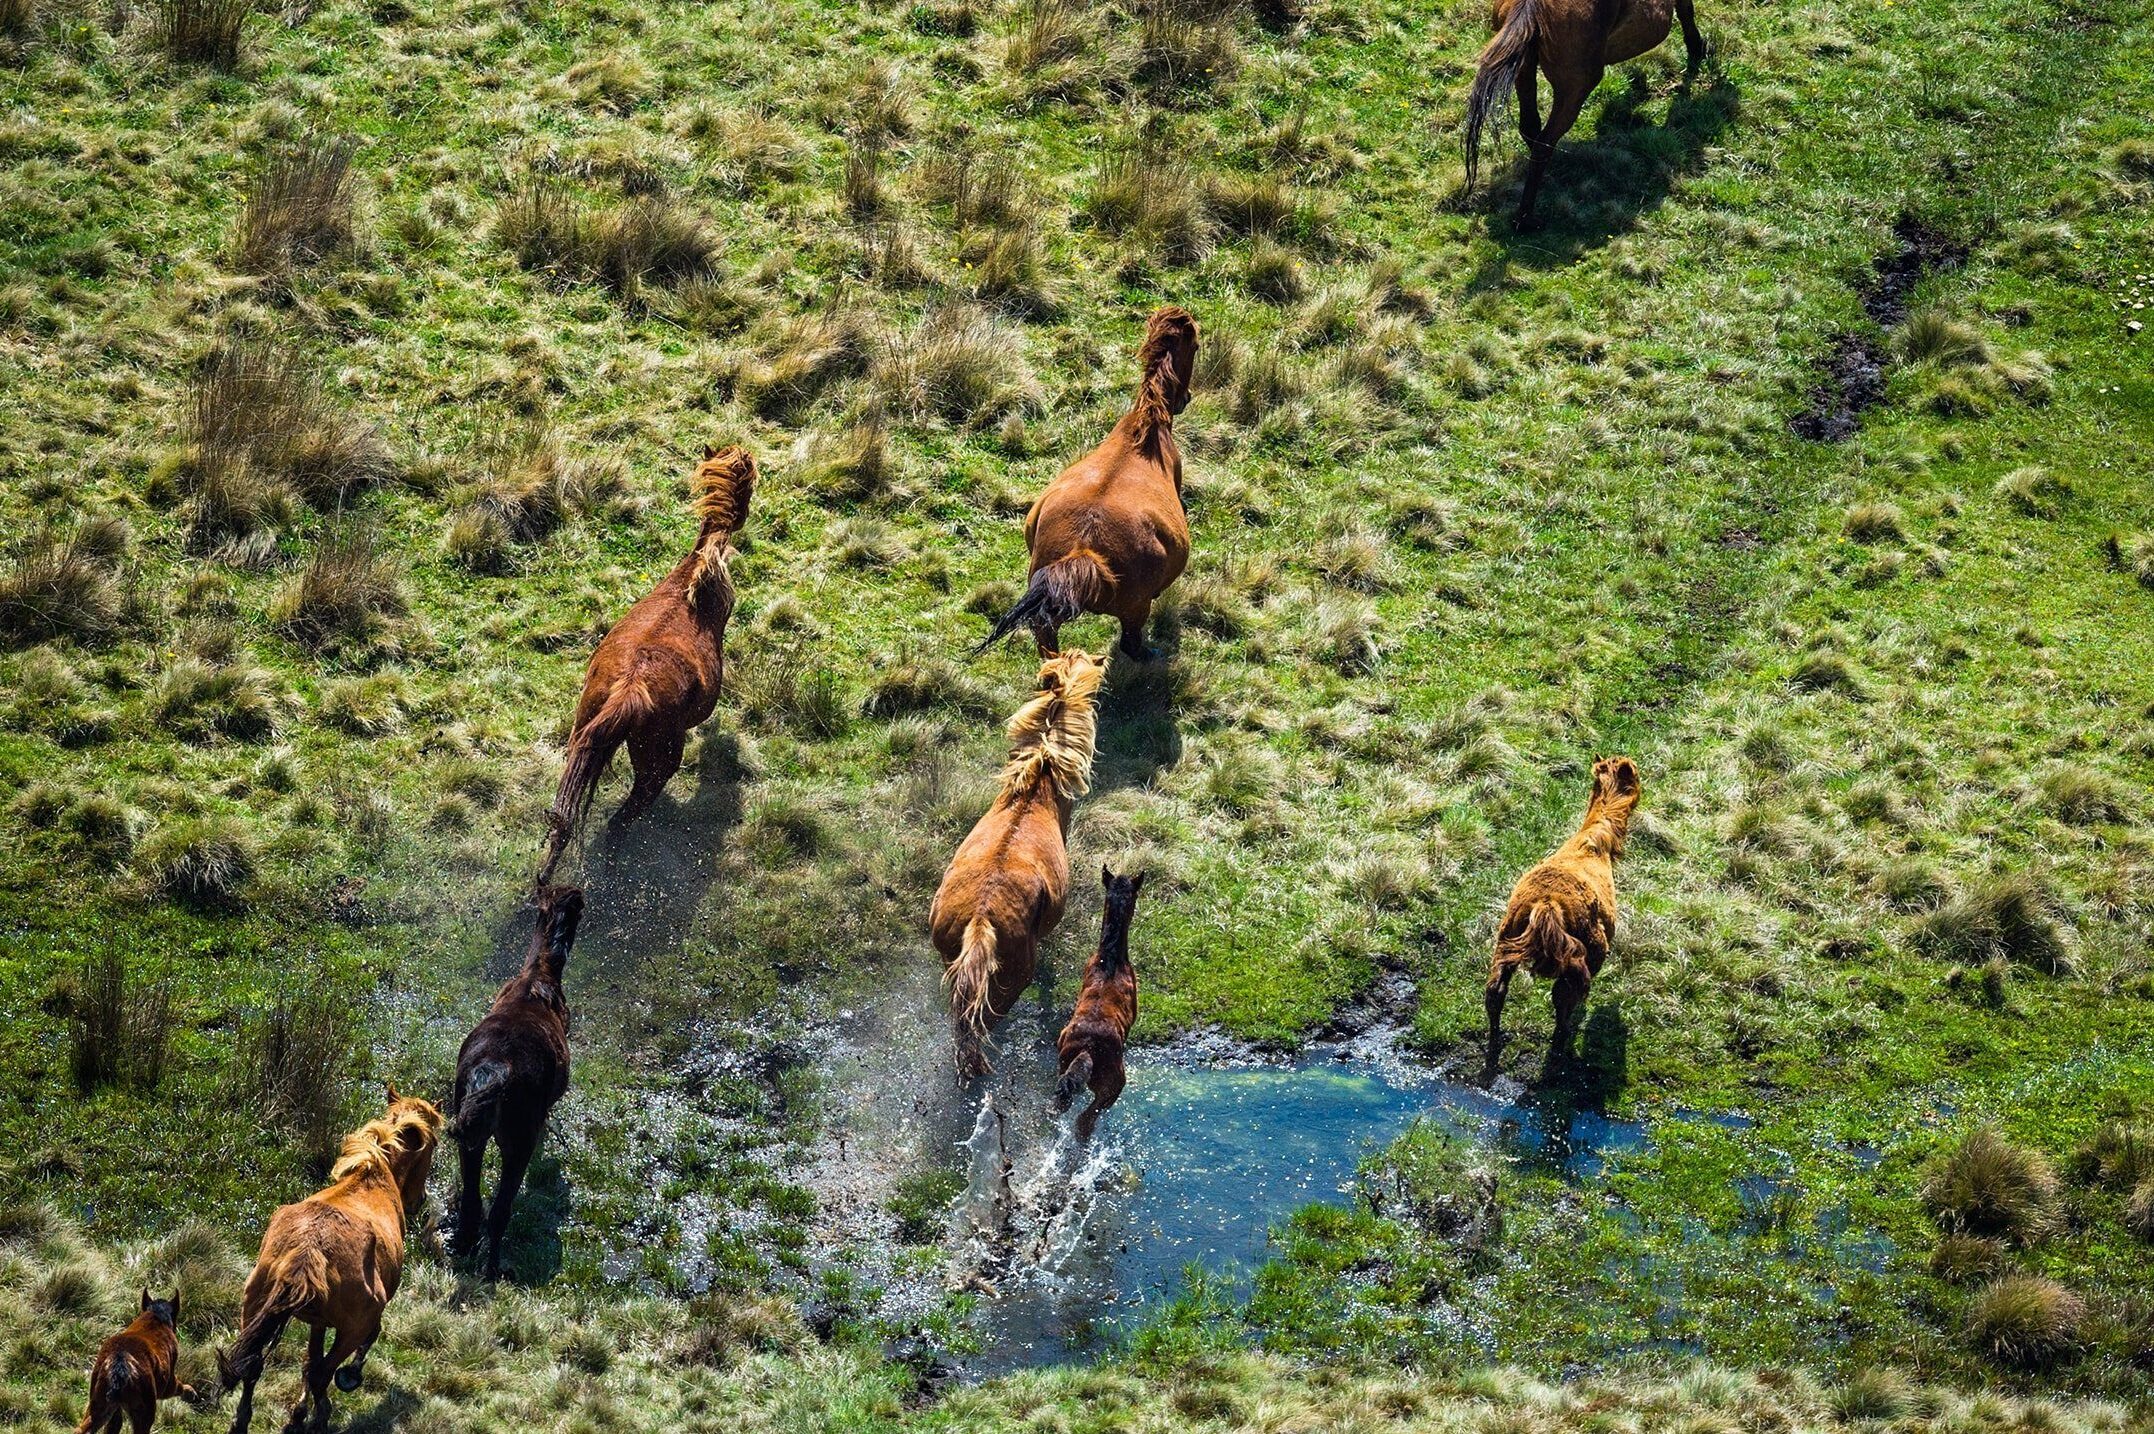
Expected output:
(969, 978)
(1075, 1078)
(1058, 593)
(1496, 78)
(589, 751)
(1543, 935)
(301, 1278)
(108, 1399)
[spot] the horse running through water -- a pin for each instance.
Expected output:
(1005, 887)
(1090, 1047)
(135, 1369)
(1109, 535)
(1561, 918)
(511, 1070)
(1574, 42)
(656, 676)
(334, 1260)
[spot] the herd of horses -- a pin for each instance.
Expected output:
(1108, 536)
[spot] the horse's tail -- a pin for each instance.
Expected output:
(589, 751)
(478, 1102)
(299, 1279)
(971, 976)
(107, 1399)
(1508, 51)
(1544, 941)
(1057, 594)
(1075, 1077)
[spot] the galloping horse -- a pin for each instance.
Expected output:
(1090, 1047)
(1574, 41)
(656, 676)
(1562, 914)
(334, 1260)
(135, 1369)
(1006, 885)
(1109, 534)
(511, 1070)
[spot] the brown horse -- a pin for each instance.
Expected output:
(511, 1070)
(656, 676)
(1574, 41)
(1562, 915)
(1109, 535)
(334, 1260)
(1006, 885)
(1090, 1047)
(135, 1369)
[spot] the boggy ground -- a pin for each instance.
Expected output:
(1470, 508)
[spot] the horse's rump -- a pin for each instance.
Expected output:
(1544, 945)
(298, 1278)
(478, 1100)
(1058, 593)
(1075, 1077)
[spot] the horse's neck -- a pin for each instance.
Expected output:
(1113, 946)
(1604, 829)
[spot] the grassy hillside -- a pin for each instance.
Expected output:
(347, 384)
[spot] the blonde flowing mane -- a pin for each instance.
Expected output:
(378, 1138)
(724, 484)
(1052, 736)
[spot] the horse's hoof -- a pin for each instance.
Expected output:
(348, 1378)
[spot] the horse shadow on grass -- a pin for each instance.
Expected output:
(1600, 187)
(1138, 738)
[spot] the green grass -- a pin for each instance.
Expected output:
(287, 676)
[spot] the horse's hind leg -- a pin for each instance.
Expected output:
(655, 759)
(471, 1158)
(352, 1345)
(1570, 998)
(1693, 40)
(1561, 116)
(313, 1385)
(1529, 102)
(516, 1152)
(1133, 642)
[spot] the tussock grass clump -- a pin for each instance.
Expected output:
(1145, 194)
(2026, 1321)
(1987, 1186)
(531, 487)
(2033, 492)
(782, 687)
(924, 685)
(723, 1329)
(1965, 1259)
(201, 32)
(1184, 49)
(119, 1026)
(364, 706)
(2084, 797)
(1272, 271)
(299, 207)
(852, 467)
(2007, 915)
(1826, 672)
(201, 861)
(1875, 523)
(799, 357)
(1048, 33)
(197, 701)
(17, 18)
(960, 365)
(296, 1060)
(1263, 204)
(1009, 270)
(1343, 636)
(648, 239)
(2139, 1211)
(2119, 1154)
(65, 582)
(782, 829)
(260, 432)
(345, 593)
(2132, 553)
(1873, 1394)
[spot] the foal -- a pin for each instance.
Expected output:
(511, 1070)
(334, 1260)
(1005, 887)
(1090, 1047)
(135, 1369)
(1109, 534)
(1574, 41)
(1562, 915)
(656, 676)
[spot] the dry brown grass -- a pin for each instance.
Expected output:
(299, 207)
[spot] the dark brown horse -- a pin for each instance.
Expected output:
(1091, 1045)
(656, 676)
(1561, 919)
(1574, 42)
(511, 1070)
(1109, 534)
(135, 1369)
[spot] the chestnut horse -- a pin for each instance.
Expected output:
(334, 1260)
(1090, 1047)
(1561, 919)
(656, 676)
(511, 1070)
(1006, 885)
(135, 1369)
(1574, 41)
(1109, 535)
